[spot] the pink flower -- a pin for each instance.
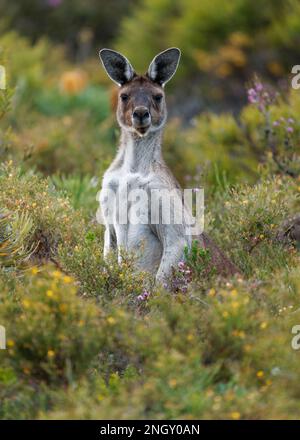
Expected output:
(261, 96)
(275, 123)
(252, 96)
(181, 265)
(145, 295)
(259, 87)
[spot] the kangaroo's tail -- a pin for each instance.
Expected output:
(223, 265)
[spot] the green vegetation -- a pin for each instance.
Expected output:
(88, 338)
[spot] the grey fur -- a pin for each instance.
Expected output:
(139, 165)
(164, 65)
(117, 66)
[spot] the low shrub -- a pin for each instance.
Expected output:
(60, 346)
(53, 219)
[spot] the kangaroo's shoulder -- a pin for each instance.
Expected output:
(165, 175)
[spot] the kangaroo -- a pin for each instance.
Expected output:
(139, 165)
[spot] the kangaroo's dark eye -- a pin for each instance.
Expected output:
(124, 97)
(158, 98)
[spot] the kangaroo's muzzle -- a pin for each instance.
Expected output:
(141, 119)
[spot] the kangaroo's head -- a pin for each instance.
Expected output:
(141, 103)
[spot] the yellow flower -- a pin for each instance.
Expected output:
(238, 334)
(34, 270)
(225, 314)
(26, 303)
(63, 308)
(190, 337)
(49, 293)
(260, 373)
(111, 320)
(235, 415)
(211, 292)
(73, 81)
(263, 325)
(50, 353)
(235, 304)
(67, 279)
(234, 293)
(10, 343)
(56, 274)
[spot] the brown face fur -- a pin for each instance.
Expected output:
(137, 97)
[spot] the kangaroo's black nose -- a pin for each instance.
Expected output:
(141, 114)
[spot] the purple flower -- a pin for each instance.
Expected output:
(275, 123)
(145, 295)
(252, 96)
(259, 87)
(182, 277)
(261, 96)
(290, 120)
(181, 265)
(289, 129)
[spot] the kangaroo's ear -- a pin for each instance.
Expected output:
(164, 66)
(117, 66)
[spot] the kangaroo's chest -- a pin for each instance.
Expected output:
(125, 197)
(126, 207)
(120, 180)
(125, 188)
